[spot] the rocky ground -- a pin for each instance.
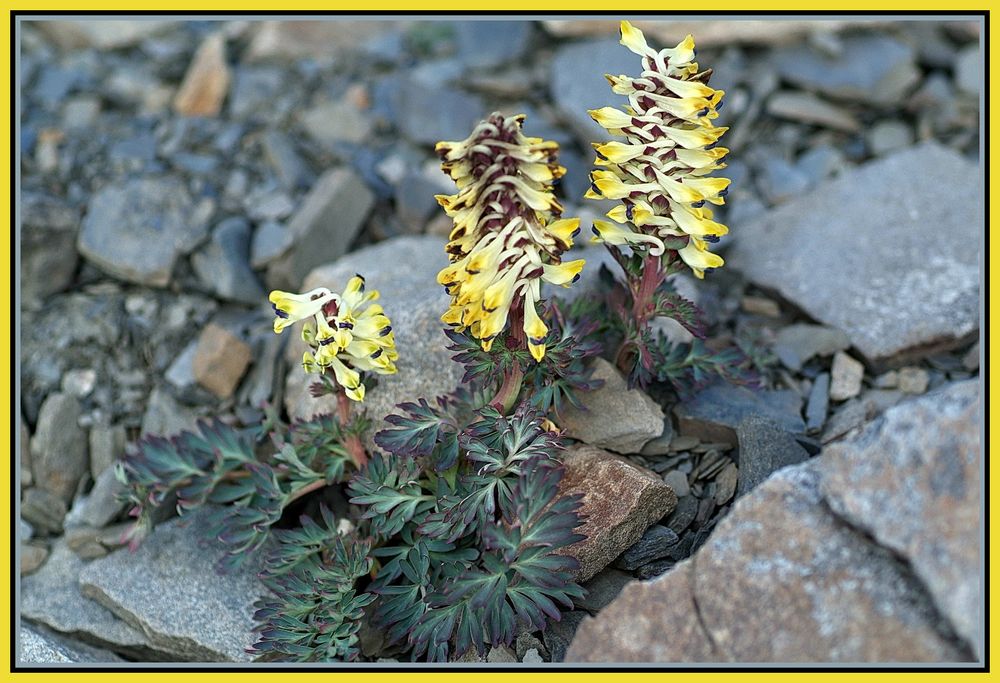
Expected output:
(173, 172)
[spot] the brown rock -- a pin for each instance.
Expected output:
(620, 501)
(220, 360)
(207, 80)
(293, 40)
(676, 636)
(32, 557)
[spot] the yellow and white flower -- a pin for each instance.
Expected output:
(508, 235)
(660, 170)
(344, 333)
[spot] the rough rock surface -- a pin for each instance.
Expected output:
(169, 589)
(59, 447)
(36, 646)
(866, 554)
(404, 271)
(896, 298)
(614, 417)
(620, 501)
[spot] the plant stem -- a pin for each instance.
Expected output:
(351, 441)
(506, 396)
(308, 488)
(643, 292)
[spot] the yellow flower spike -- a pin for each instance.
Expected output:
(291, 308)
(632, 38)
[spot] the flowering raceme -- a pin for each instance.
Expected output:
(345, 332)
(507, 234)
(660, 170)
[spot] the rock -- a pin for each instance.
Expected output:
(38, 647)
(79, 383)
(531, 656)
(25, 480)
(819, 401)
(678, 481)
(726, 483)
(808, 108)
(559, 634)
(220, 360)
(101, 505)
(436, 112)
(24, 531)
(222, 264)
(84, 541)
(180, 374)
(911, 480)
(681, 638)
(764, 449)
(613, 416)
(875, 69)
(107, 444)
(501, 655)
(293, 172)
(331, 123)
(48, 245)
(780, 181)
(415, 202)
(59, 447)
(32, 557)
(80, 112)
(913, 380)
(602, 589)
(314, 40)
(798, 343)
(887, 380)
(404, 271)
(968, 70)
(577, 88)
(206, 82)
(106, 34)
(857, 411)
(808, 251)
(760, 305)
(661, 444)
(322, 230)
(682, 516)
(820, 162)
(888, 136)
(169, 589)
(713, 413)
(136, 229)
(44, 510)
(491, 43)
(52, 597)
(261, 385)
(270, 240)
(620, 501)
(845, 377)
(653, 545)
(970, 361)
(164, 416)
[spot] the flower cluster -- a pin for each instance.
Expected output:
(670, 146)
(507, 234)
(345, 332)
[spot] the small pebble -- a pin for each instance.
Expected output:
(678, 481)
(532, 657)
(887, 380)
(845, 377)
(971, 359)
(913, 380)
(759, 305)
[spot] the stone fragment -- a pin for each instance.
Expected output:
(845, 377)
(85, 543)
(491, 43)
(819, 401)
(164, 416)
(44, 510)
(613, 416)
(798, 343)
(531, 656)
(136, 229)
(290, 41)
(620, 501)
(678, 481)
(270, 240)
(808, 108)
(206, 81)
(436, 112)
(559, 634)
(726, 483)
(760, 305)
(79, 382)
(764, 449)
(501, 655)
(807, 251)
(970, 361)
(654, 544)
(38, 647)
(222, 264)
(968, 70)
(48, 245)
(169, 588)
(330, 123)
(285, 160)
(59, 447)
(323, 228)
(661, 444)
(25, 457)
(32, 557)
(103, 34)
(715, 412)
(913, 380)
(220, 360)
(888, 136)
(602, 589)
(101, 505)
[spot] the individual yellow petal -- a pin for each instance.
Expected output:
(618, 152)
(632, 38)
(290, 308)
(610, 118)
(697, 256)
(618, 235)
(682, 53)
(564, 273)
(534, 329)
(564, 229)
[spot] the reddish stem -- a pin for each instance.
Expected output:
(308, 488)
(510, 389)
(352, 442)
(643, 292)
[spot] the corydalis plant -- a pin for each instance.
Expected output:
(661, 170)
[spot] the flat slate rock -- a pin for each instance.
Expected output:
(764, 449)
(864, 253)
(170, 590)
(715, 412)
(52, 596)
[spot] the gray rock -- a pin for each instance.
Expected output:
(330, 123)
(845, 377)
(678, 481)
(491, 43)
(653, 545)
(32, 557)
(180, 374)
(48, 245)
(101, 505)
(531, 656)
(404, 271)
(808, 251)
(819, 401)
(714, 413)
(164, 416)
(820, 162)
(222, 264)
(292, 170)
(24, 449)
(25, 531)
(260, 385)
(255, 91)
(38, 647)
(52, 597)
(613, 416)
(857, 411)
(415, 202)
(682, 516)
(59, 447)
(106, 34)
(876, 69)
(798, 343)
(501, 655)
(602, 589)
(764, 449)
(559, 634)
(84, 541)
(270, 240)
(911, 480)
(661, 444)
(808, 108)
(780, 181)
(79, 382)
(434, 113)
(44, 510)
(888, 136)
(913, 380)
(968, 70)
(136, 229)
(323, 228)
(577, 87)
(169, 589)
